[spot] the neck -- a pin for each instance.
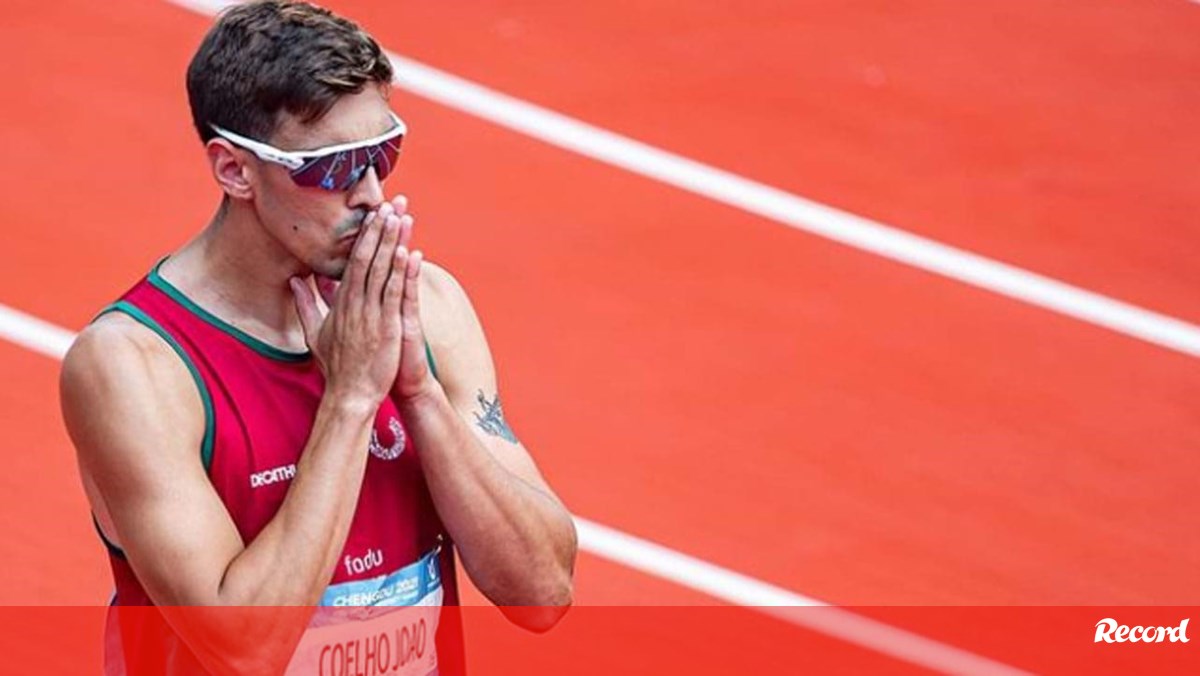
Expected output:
(237, 271)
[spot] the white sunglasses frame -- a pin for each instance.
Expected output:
(295, 159)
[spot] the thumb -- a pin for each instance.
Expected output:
(306, 307)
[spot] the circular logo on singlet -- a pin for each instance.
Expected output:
(388, 452)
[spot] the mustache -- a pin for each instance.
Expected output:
(353, 222)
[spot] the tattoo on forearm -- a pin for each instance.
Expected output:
(491, 420)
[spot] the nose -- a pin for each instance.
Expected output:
(367, 194)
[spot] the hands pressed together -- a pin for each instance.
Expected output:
(370, 341)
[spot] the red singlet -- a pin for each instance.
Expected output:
(259, 404)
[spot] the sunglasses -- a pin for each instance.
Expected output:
(333, 168)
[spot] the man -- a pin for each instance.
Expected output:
(251, 431)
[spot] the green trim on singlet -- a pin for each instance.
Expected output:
(429, 356)
(250, 341)
(206, 445)
(246, 339)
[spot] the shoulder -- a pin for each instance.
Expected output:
(441, 287)
(455, 335)
(118, 371)
(113, 342)
(117, 341)
(447, 313)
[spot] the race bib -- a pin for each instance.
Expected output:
(384, 625)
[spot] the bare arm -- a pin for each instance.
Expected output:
(516, 538)
(136, 419)
(137, 422)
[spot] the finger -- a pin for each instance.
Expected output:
(381, 266)
(400, 204)
(393, 292)
(355, 278)
(411, 305)
(306, 308)
(386, 209)
(406, 229)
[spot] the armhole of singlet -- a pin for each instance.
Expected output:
(429, 356)
(108, 544)
(206, 444)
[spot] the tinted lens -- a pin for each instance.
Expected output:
(383, 156)
(342, 169)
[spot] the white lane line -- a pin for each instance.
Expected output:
(781, 206)
(33, 333)
(803, 611)
(654, 559)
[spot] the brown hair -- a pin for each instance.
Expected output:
(265, 57)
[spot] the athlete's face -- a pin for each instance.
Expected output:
(318, 227)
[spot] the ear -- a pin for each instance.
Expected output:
(230, 168)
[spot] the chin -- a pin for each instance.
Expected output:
(331, 269)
